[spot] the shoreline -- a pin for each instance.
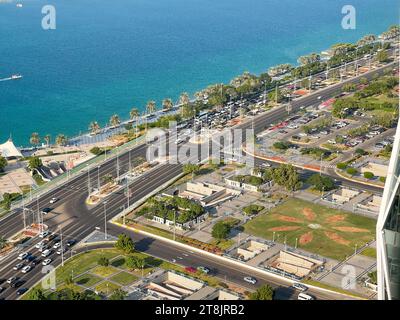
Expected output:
(108, 131)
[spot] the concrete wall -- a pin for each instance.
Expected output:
(247, 255)
(379, 170)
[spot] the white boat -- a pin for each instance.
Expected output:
(19, 5)
(16, 76)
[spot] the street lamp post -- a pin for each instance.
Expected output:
(117, 164)
(174, 225)
(105, 220)
(62, 247)
(98, 178)
(88, 174)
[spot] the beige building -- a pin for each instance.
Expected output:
(294, 263)
(250, 249)
(207, 194)
(344, 195)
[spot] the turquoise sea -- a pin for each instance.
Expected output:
(107, 56)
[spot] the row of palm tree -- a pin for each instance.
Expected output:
(35, 139)
(151, 107)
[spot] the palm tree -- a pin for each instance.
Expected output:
(94, 127)
(35, 139)
(47, 138)
(151, 107)
(187, 111)
(61, 140)
(367, 39)
(184, 98)
(134, 113)
(167, 104)
(114, 120)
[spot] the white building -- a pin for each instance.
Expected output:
(388, 230)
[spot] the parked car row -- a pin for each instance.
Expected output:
(27, 261)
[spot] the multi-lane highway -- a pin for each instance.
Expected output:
(77, 219)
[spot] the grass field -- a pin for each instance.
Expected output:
(83, 262)
(107, 287)
(369, 252)
(87, 280)
(318, 229)
(124, 278)
(104, 272)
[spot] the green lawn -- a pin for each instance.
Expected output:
(150, 263)
(87, 280)
(319, 229)
(124, 278)
(83, 262)
(107, 287)
(369, 252)
(104, 272)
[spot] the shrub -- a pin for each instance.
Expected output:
(341, 166)
(351, 171)
(382, 179)
(125, 243)
(252, 209)
(361, 152)
(265, 292)
(368, 175)
(96, 151)
(103, 261)
(220, 230)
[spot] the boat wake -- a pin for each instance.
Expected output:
(13, 77)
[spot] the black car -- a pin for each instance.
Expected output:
(46, 210)
(35, 262)
(71, 242)
(21, 291)
(30, 258)
(16, 284)
(2, 289)
(52, 237)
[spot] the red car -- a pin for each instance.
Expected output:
(190, 269)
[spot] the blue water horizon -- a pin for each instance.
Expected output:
(106, 57)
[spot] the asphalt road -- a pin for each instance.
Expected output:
(78, 220)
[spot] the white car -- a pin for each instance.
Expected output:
(46, 253)
(44, 234)
(11, 280)
(61, 250)
(303, 296)
(18, 266)
(57, 245)
(266, 164)
(26, 269)
(250, 280)
(40, 244)
(46, 262)
(300, 287)
(23, 255)
(53, 200)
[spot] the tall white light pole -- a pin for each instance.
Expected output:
(98, 178)
(62, 248)
(88, 174)
(105, 220)
(117, 164)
